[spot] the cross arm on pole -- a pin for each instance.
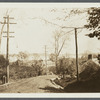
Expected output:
(6, 32)
(9, 17)
(9, 36)
(7, 23)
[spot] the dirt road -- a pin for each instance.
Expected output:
(40, 84)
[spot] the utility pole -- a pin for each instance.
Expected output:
(76, 53)
(46, 58)
(76, 44)
(74, 28)
(56, 53)
(7, 51)
(7, 55)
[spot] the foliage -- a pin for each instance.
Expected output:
(3, 61)
(94, 22)
(88, 69)
(52, 57)
(89, 79)
(52, 69)
(20, 71)
(3, 64)
(38, 67)
(66, 66)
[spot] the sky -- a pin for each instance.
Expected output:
(32, 32)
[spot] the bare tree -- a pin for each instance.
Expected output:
(66, 16)
(59, 44)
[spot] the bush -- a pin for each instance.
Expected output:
(52, 69)
(3, 64)
(88, 69)
(66, 66)
(89, 79)
(20, 71)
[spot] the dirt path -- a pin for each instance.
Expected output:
(40, 84)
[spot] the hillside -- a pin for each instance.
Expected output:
(89, 79)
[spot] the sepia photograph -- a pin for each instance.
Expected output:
(49, 48)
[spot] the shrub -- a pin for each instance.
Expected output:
(52, 69)
(20, 71)
(88, 69)
(3, 64)
(66, 66)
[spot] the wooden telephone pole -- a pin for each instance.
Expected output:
(7, 55)
(76, 53)
(46, 58)
(76, 45)
(7, 51)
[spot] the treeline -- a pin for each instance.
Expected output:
(66, 67)
(19, 70)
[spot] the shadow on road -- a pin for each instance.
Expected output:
(52, 89)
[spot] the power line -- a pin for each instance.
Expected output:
(76, 44)
(46, 21)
